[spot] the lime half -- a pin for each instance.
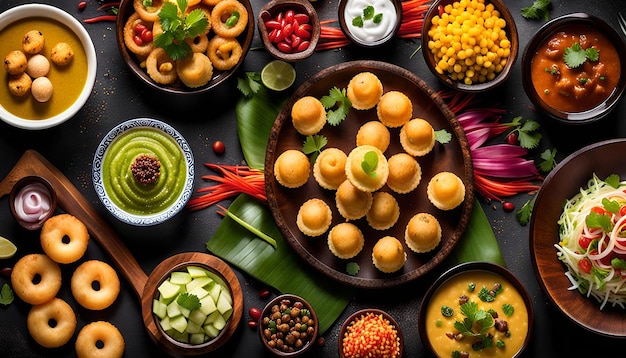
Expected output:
(7, 248)
(278, 75)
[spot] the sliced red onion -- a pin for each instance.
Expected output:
(32, 203)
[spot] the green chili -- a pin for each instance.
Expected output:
(232, 19)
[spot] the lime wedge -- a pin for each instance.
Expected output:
(278, 75)
(7, 248)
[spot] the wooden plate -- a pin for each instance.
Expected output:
(603, 158)
(453, 156)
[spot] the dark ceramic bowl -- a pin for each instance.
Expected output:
(126, 9)
(39, 195)
(431, 319)
(500, 78)
(363, 313)
(359, 35)
(271, 10)
(566, 180)
(267, 311)
(581, 22)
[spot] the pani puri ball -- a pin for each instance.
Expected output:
(394, 109)
(417, 137)
(423, 233)
(384, 212)
(446, 190)
(314, 217)
(329, 169)
(364, 90)
(292, 168)
(308, 115)
(38, 66)
(373, 133)
(373, 179)
(41, 89)
(405, 173)
(345, 240)
(351, 202)
(388, 254)
(15, 62)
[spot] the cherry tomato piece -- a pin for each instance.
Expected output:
(512, 139)
(219, 147)
(137, 40)
(146, 36)
(284, 47)
(301, 18)
(139, 28)
(622, 210)
(273, 24)
(508, 206)
(304, 45)
(584, 265)
(584, 242)
(600, 210)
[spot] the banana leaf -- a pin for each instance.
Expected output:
(255, 117)
(280, 267)
(478, 243)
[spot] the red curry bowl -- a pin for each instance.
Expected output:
(575, 28)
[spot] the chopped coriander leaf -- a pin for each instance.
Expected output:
(189, 301)
(370, 163)
(176, 28)
(368, 12)
(337, 105)
(353, 268)
(447, 311)
(613, 180)
(548, 162)
(508, 309)
(6, 295)
(443, 136)
(575, 55)
(313, 145)
(539, 9)
(378, 18)
(525, 212)
(357, 21)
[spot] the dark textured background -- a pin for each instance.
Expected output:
(117, 96)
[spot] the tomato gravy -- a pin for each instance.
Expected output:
(575, 89)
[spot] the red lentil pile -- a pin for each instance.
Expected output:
(371, 335)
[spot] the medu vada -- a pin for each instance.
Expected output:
(51, 324)
(99, 339)
(222, 18)
(95, 285)
(224, 53)
(36, 278)
(64, 238)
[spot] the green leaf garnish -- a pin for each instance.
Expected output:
(525, 211)
(618, 263)
(539, 9)
(611, 205)
(368, 12)
(476, 323)
(353, 268)
(575, 55)
(370, 163)
(548, 162)
(613, 180)
(249, 84)
(337, 105)
(378, 18)
(313, 145)
(526, 130)
(443, 136)
(6, 295)
(188, 301)
(177, 26)
(597, 220)
(357, 21)
(508, 309)
(147, 3)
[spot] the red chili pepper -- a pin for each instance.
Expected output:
(108, 5)
(273, 24)
(100, 19)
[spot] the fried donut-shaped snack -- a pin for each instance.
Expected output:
(129, 32)
(223, 18)
(36, 278)
(51, 324)
(224, 53)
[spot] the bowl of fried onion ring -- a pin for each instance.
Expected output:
(211, 57)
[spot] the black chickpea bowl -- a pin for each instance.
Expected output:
(482, 294)
(582, 94)
(512, 48)
(137, 62)
(295, 336)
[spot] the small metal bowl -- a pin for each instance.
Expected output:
(267, 311)
(363, 313)
(271, 10)
(44, 193)
(578, 21)
(363, 36)
(500, 78)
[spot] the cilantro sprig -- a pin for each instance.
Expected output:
(337, 105)
(177, 26)
(476, 323)
(575, 55)
(313, 145)
(526, 131)
(369, 13)
(538, 10)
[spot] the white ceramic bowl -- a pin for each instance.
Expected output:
(22, 12)
(98, 170)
